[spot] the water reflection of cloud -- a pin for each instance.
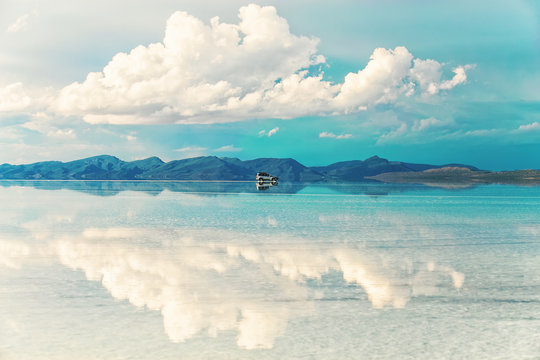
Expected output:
(196, 286)
(208, 281)
(213, 281)
(381, 278)
(530, 230)
(13, 253)
(202, 282)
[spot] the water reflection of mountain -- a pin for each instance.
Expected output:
(111, 188)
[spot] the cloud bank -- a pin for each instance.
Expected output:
(220, 72)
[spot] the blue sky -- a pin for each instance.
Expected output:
(417, 81)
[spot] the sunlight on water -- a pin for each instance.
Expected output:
(146, 270)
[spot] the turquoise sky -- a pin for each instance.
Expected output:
(451, 82)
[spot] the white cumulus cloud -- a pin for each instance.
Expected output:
(220, 72)
(382, 80)
(270, 132)
(535, 126)
(326, 134)
(428, 73)
(199, 73)
(14, 97)
(273, 131)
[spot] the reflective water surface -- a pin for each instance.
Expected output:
(146, 270)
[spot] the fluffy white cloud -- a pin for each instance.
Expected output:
(534, 126)
(428, 73)
(382, 80)
(219, 72)
(325, 134)
(14, 97)
(273, 131)
(20, 99)
(197, 71)
(460, 76)
(270, 132)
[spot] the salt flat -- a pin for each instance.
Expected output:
(112, 270)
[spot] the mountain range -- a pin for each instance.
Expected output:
(107, 167)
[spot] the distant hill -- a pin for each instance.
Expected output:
(358, 170)
(106, 167)
(461, 175)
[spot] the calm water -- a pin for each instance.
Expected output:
(114, 270)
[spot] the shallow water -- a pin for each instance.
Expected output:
(147, 270)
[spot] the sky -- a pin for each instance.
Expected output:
(410, 80)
